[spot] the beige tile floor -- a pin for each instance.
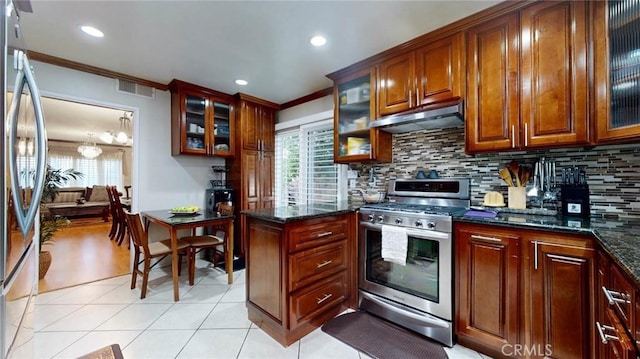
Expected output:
(209, 321)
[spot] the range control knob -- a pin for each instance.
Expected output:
(398, 220)
(371, 218)
(418, 223)
(380, 219)
(431, 225)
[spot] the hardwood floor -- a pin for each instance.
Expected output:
(81, 254)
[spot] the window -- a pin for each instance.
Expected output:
(103, 170)
(305, 172)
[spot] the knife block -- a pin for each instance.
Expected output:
(575, 200)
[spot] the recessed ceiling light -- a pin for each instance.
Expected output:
(90, 30)
(241, 82)
(318, 40)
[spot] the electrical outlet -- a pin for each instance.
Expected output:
(352, 183)
(352, 174)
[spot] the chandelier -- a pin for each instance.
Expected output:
(89, 149)
(122, 136)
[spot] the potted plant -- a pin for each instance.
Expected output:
(50, 224)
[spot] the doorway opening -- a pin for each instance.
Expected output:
(86, 137)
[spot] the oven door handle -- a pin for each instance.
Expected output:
(422, 234)
(422, 319)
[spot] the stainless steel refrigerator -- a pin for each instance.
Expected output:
(23, 149)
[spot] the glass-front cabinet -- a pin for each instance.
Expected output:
(617, 70)
(355, 108)
(201, 121)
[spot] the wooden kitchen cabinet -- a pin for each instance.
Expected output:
(258, 125)
(202, 121)
(550, 312)
(615, 50)
(354, 108)
(252, 169)
(431, 73)
(487, 281)
(559, 289)
(299, 273)
(554, 77)
(531, 87)
(617, 311)
(492, 117)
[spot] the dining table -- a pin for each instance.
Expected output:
(177, 221)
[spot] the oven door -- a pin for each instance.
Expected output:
(424, 283)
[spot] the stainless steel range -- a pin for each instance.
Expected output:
(416, 290)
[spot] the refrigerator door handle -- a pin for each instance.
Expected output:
(26, 216)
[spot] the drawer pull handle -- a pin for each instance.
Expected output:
(613, 296)
(320, 265)
(324, 234)
(604, 336)
(326, 296)
(483, 238)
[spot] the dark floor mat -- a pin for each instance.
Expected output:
(381, 339)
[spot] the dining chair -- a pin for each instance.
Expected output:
(150, 250)
(219, 238)
(114, 215)
(123, 229)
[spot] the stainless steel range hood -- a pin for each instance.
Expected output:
(439, 115)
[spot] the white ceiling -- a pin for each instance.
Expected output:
(212, 43)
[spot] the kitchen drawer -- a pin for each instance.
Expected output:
(309, 266)
(315, 299)
(314, 233)
(614, 336)
(620, 296)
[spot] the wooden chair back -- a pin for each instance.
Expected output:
(136, 229)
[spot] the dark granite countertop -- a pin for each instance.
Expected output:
(619, 237)
(296, 213)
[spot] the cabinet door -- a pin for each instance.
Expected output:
(268, 129)
(616, 97)
(396, 84)
(492, 112)
(439, 70)
(195, 123)
(559, 298)
(251, 179)
(221, 137)
(554, 78)
(250, 125)
(354, 108)
(487, 279)
(266, 180)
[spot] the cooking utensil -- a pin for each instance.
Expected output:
(505, 174)
(514, 168)
(525, 175)
(533, 192)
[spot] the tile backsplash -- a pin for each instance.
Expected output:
(613, 171)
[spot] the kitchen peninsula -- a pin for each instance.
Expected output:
(301, 267)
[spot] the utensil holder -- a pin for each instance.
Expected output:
(517, 197)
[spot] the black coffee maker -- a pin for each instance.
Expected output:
(213, 196)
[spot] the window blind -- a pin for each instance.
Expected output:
(103, 170)
(305, 172)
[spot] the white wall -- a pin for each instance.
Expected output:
(159, 180)
(308, 108)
